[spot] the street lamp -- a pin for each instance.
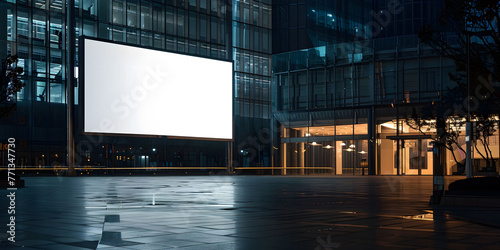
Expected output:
(468, 127)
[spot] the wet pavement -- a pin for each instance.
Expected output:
(236, 212)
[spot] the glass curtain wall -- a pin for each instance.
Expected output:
(326, 90)
(36, 32)
(251, 31)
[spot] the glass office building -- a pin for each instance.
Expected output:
(220, 29)
(345, 75)
(320, 87)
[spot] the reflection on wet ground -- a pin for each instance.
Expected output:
(236, 212)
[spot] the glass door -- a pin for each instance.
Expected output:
(415, 157)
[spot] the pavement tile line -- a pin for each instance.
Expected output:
(242, 212)
(404, 229)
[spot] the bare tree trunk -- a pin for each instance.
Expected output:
(453, 154)
(487, 147)
(485, 151)
(479, 152)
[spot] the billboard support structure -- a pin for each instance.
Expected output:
(70, 90)
(229, 158)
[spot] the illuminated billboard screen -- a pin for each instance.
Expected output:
(137, 91)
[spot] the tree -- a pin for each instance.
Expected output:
(480, 19)
(10, 84)
(474, 47)
(446, 127)
(486, 126)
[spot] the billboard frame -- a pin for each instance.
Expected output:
(81, 92)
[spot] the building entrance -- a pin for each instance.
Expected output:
(415, 157)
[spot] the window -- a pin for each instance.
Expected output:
(158, 19)
(118, 13)
(88, 6)
(118, 34)
(203, 27)
(192, 4)
(213, 6)
(203, 5)
(146, 39)
(180, 22)
(56, 60)
(132, 36)
(41, 91)
(22, 25)
(192, 25)
(170, 20)
(213, 30)
(132, 14)
(146, 22)
(56, 35)
(56, 92)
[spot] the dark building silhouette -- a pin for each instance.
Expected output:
(319, 86)
(218, 29)
(345, 75)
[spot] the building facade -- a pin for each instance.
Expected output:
(334, 99)
(220, 29)
(347, 76)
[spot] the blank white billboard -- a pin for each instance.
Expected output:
(137, 91)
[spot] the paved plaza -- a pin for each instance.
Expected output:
(236, 212)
